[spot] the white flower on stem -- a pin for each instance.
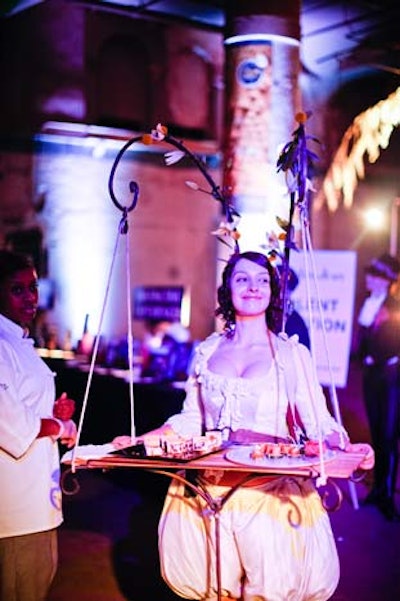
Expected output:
(158, 134)
(174, 156)
(228, 229)
(192, 185)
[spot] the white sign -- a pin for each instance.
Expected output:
(324, 298)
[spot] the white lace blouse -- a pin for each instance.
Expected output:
(226, 403)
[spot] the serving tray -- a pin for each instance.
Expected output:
(138, 452)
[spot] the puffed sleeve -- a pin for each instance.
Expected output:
(191, 420)
(309, 397)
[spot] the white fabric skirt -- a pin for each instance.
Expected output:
(276, 543)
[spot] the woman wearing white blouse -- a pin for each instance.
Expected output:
(239, 385)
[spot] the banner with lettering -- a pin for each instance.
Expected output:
(329, 310)
(161, 303)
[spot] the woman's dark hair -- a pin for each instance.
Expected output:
(11, 262)
(225, 307)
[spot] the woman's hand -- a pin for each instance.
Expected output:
(64, 407)
(334, 441)
(121, 442)
(364, 448)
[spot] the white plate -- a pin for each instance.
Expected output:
(241, 456)
(88, 451)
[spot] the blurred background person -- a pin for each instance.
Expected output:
(295, 324)
(379, 350)
(166, 350)
(31, 423)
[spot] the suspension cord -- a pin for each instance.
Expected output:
(96, 343)
(123, 229)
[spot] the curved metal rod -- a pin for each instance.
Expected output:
(358, 476)
(198, 489)
(228, 495)
(228, 210)
(133, 186)
(75, 484)
(216, 505)
(337, 503)
(216, 192)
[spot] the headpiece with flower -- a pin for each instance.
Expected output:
(227, 230)
(295, 160)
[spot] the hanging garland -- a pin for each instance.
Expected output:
(369, 132)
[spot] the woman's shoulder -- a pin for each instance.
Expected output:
(209, 343)
(205, 348)
(285, 339)
(287, 344)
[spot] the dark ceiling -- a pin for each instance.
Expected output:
(342, 35)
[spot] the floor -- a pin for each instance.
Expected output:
(108, 544)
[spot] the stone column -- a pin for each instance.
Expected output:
(262, 97)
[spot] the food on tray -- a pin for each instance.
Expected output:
(152, 446)
(312, 449)
(271, 449)
(275, 450)
(174, 446)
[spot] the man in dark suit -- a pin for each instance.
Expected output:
(379, 350)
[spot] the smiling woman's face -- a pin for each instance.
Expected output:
(19, 296)
(250, 288)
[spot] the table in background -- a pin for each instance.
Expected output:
(108, 410)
